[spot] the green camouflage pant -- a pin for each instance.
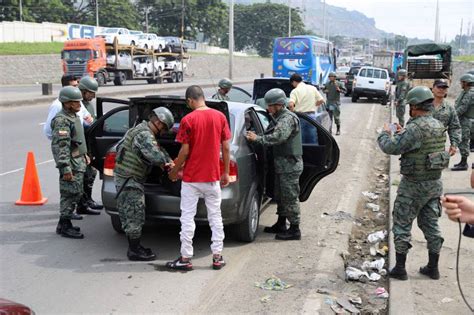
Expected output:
(418, 200)
(70, 194)
(400, 112)
(287, 191)
(89, 178)
(466, 136)
(131, 208)
(335, 111)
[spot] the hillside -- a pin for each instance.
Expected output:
(341, 21)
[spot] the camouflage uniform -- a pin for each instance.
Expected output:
(334, 99)
(421, 145)
(91, 173)
(69, 148)
(136, 155)
(447, 115)
(464, 106)
(288, 161)
(400, 94)
(221, 97)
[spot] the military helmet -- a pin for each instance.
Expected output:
(165, 116)
(468, 78)
(402, 72)
(89, 84)
(70, 93)
(419, 96)
(275, 96)
(332, 74)
(225, 83)
(471, 72)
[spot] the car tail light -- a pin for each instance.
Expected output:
(109, 163)
(233, 172)
(354, 83)
(387, 86)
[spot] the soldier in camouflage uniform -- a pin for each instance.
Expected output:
(401, 90)
(137, 152)
(423, 157)
(465, 109)
(69, 149)
(446, 113)
(287, 153)
(87, 205)
(333, 90)
(224, 87)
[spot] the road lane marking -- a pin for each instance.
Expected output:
(370, 117)
(42, 124)
(21, 169)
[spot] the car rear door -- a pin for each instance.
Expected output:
(113, 121)
(319, 159)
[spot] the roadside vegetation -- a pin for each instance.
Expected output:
(30, 48)
(465, 58)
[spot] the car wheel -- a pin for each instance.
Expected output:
(354, 98)
(132, 43)
(160, 49)
(116, 224)
(247, 230)
(120, 78)
(170, 50)
(145, 72)
(173, 77)
(101, 79)
(384, 100)
(180, 77)
(146, 46)
(152, 81)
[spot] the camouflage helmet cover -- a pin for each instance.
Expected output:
(468, 78)
(165, 116)
(332, 74)
(225, 83)
(418, 96)
(402, 72)
(275, 96)
(89, 84)
(70, 93)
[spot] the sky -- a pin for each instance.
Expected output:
(414, 18)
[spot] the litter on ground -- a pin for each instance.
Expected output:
(274, 284)
(374, 207)
(370, 195)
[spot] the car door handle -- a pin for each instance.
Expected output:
(371, 82)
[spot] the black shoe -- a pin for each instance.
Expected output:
(85, 210)
(136, 252)
(67, 230)
(58, 228)
(460, 167)
(94, 205)
(76, 216)
(399, 272)
(278, 227)
(338, 132)
(293, 233)
(431, 269)
(180, 264)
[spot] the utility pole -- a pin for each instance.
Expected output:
(231, 38)
(436, 35)
(21, 12)
(460, 37)
(147, 10)
(182, 20)
(289, 18)
(97, 13)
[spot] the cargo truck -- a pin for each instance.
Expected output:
(119, 63)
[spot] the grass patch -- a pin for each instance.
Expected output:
(464, 58)
(30, 48)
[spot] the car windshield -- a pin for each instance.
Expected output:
(343, 69)
(76, 54)
(111, 30)
(142, 37)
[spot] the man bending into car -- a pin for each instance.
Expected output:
(202, 133)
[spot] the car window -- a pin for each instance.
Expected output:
(237, 95)
(363, 73)
(377, 74)
(264, 119)
(370, 73)
(383, 75)
(116, 124)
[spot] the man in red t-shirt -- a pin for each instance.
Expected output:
(203, 133)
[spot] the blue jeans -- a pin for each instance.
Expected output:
(309, 133)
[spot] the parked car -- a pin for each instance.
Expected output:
(124, 59)
(173, 44)
(8, 307)
(173, 63)
(251, 171)
(122, 34)
(145, 66)
(341, 73)
(372, 83)
(350, 78)
(263, 85)
(136, 33)
(149, 40)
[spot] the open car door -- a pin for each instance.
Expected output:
(319, 159)
(108, 128)
(239, 95)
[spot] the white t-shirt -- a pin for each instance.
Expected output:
(55, 108)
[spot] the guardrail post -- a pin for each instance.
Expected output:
(47, 88)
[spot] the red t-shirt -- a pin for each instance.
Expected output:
(204, 131)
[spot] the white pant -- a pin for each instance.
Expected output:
(190, 194)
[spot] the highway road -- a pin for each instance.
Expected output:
(55, 275)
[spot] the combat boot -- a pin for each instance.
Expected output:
(461, 166)
(83, 207)
(293, 233)
(136, 252)
(89, 201)
(399, 272)
(338, 131)
(67, 230)
(58, 227)
(431, 270)
(278, 227)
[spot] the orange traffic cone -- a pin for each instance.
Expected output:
(31, 190)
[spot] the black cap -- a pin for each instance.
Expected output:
(295, 77)
(441, 83)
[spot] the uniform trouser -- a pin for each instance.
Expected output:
(131, 208)
(309, 134)
(287, 191)
(400, 112)
(190, 194)
(466, 136)
(70, 194)
(418, 200)
(335, 111)
(89, 178)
